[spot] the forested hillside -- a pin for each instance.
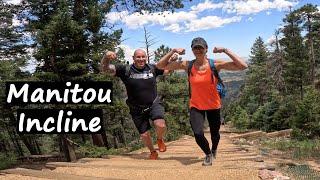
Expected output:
(68, 39)
(281, 86)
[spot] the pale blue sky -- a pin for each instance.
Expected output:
(231, 24)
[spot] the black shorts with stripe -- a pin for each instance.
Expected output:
(141, 116)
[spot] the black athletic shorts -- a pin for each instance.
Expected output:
(141, 118)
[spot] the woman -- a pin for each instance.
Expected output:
(205, 98)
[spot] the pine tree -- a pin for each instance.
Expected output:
(148, 6)
(295, 55)
(310, 18)
(276, 66)
(11, 36)
(160, 52)
(256, 87)
(62, 47)
(13, 57)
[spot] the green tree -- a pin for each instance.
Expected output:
(257, 86)
(160, 52)
(240, 120)
(310, 23)
(13, 57)
(306, 119)
(11, 35)
(295, 55)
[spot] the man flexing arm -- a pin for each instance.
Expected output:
(106, 67)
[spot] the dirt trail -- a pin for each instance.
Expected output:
(182, 160)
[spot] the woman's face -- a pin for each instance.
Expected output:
(199, 51)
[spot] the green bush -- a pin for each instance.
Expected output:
(240, 119)
(7, 160)
(306, 120)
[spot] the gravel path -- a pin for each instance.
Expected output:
(182, 160)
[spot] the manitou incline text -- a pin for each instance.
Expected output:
(58, 120)
(59, 92)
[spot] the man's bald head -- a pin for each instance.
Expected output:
(139, 51)
(139, 58)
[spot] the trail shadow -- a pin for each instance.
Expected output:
(183, 160)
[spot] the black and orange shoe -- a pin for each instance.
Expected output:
(161, 145)
(153, 155)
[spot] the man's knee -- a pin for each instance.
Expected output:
(145, 135)
(160, 123)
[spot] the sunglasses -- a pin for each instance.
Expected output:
(197, 48)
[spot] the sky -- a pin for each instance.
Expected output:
(231, 24)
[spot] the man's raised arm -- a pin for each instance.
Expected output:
(105, 66)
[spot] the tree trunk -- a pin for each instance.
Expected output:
(311, 54)
(301, 86)
(3, 147)
(123, 136)
(67, 148)
(104, 137)
(83, 138)
(115, 138)
(31, 144)
(97, 140)
(15, 141)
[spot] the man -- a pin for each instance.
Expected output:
(140, 82)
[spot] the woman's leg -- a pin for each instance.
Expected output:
(213, 117)
(196, 121)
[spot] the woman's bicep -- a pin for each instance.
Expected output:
(230, 66)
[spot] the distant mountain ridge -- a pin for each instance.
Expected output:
(227, 76)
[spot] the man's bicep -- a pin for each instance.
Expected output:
(175, 65)
(112, 70)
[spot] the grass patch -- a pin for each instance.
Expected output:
(7, 160)
(302, 172)
(305, 149)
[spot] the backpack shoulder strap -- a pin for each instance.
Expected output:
(190, 64)
(214, 70)
(127, 74)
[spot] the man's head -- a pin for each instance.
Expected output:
(139, 58)
(199, 47)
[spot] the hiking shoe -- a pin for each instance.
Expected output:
(214, 153)
(161, 145)
(207, 160)
(153, 155)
